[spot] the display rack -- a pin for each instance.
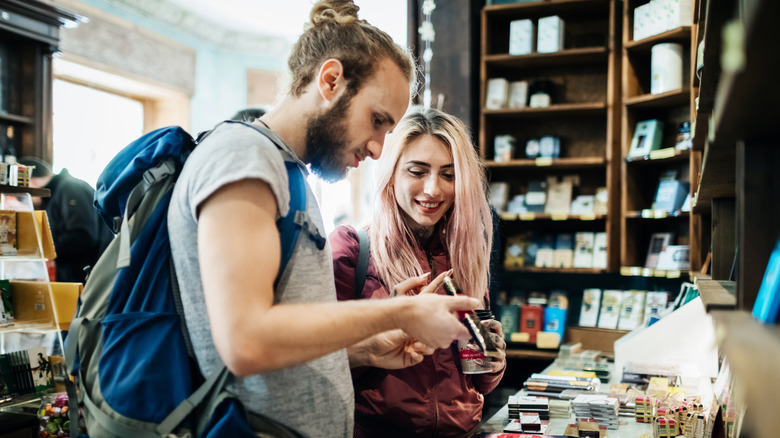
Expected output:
(640, 175)
(24, 263)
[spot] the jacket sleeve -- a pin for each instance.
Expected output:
(486, 383)
(345, 248)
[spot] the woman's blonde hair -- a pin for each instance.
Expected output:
(466, 229)
(334, 31)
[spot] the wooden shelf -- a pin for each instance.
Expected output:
(656, 214)
(564, 57)
(43, 193)
(746, 105)
(521, 353)
(17, 119)
(641, 271)
(661, 156)
(557, 163)
(663, 100)
(718, 175)
(557, 270)
(717, 295)
(561, 109)
(753, 353)
(682, 34)
(540, 7)
(550, 217)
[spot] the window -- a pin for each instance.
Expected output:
(90, 127)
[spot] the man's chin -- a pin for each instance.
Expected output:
(331, 175)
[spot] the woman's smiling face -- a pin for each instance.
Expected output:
(424, 181)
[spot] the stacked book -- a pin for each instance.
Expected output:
(523, 404)
(560, 408)
(553, 386)
(24, 372)
(529, 423)
(600, 407)
(628, 409)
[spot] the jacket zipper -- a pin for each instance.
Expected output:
(429, 256)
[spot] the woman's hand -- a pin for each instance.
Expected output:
(419, 285)
(391, 350)
(497, 336)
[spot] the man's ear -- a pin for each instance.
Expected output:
(330, 79)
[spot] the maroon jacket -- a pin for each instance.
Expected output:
(430, 399)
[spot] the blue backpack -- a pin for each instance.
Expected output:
(128, 345)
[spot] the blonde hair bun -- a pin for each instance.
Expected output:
(339, 11)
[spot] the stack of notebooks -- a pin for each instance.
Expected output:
(560, 408)
(600, 407)
(529, 423)
(553, 386)
(523, 404)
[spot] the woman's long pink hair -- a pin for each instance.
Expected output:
(466, 229)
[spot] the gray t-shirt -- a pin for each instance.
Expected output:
(315, 398)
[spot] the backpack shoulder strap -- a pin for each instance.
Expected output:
(296, 219)
(362, 265)
(289, 229)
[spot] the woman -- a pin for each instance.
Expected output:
(430, 216)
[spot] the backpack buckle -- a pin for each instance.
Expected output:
(155, 174)
(302, 220)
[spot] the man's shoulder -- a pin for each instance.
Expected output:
(65, 183)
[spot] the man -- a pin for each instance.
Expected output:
(79, 235)
(287, 346)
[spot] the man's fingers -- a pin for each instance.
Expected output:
(463, 303)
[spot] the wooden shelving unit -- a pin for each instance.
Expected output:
(583, 110)
(640, 175)
(584, 114)
(739, 189)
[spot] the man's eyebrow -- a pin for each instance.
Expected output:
(389, 119)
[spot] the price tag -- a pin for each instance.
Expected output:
(660, 214)
(507, 216)
(673, 274)
(559, 217)
(660, 154)
(528, 216)
(647, 272)
(544, 161)
(660, 273)
(647, 213)
(588, 217)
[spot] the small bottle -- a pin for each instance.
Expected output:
(9, 151)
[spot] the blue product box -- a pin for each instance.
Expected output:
(555, 320)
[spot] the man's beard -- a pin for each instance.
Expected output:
(326, 141)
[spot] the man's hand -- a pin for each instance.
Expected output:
(497, 336)
(429, 317)
(390, 350)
